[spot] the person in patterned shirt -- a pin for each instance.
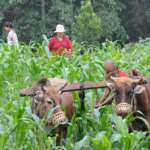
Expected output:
(12, 38)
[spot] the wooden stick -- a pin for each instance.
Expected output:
(84, 86)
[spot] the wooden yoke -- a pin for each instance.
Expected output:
(82, 87)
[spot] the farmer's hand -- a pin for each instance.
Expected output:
(98, 104)
(68, 52)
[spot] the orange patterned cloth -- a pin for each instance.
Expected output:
(59, 47)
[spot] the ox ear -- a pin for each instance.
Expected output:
(44, 83)
(111, 86)
(139, 89)
(26, 92)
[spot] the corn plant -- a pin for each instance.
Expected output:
(93, 129)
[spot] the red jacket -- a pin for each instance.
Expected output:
(117, 73)
(58, 46)
(121, 73)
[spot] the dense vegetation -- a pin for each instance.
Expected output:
(92, 129)
(120, 19)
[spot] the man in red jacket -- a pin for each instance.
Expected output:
(112, 70)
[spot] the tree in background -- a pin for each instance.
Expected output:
(32, 18)
(87, 26)
(118, 18)
(109, 11)
(136, 18)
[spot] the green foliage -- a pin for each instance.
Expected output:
(109, 12)
(116, 19)
(136, 18)
(92, 129)
(87, 26)
(30, 22)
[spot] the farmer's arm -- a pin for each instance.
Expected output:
(107, 90)
(103, 98)
(107, 101)
(105, 95)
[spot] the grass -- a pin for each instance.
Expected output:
(20, 67)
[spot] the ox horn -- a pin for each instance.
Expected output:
(139, 81)
(26, 92)
(114, 78)
(136, 80)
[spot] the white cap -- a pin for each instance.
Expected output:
(59, 28)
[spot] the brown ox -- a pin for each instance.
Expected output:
(130, 95)
(46, 97)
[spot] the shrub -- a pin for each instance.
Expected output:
(87, 26)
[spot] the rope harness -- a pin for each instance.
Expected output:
(58, 117)
(123, 108)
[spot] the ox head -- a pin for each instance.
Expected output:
(45, 97)
(124, 90)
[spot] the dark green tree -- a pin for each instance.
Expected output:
(136, 18)
(109, 11)
(87, 26)
(34, 18)
(118, 18)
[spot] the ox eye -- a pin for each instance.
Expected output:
(50, 101)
